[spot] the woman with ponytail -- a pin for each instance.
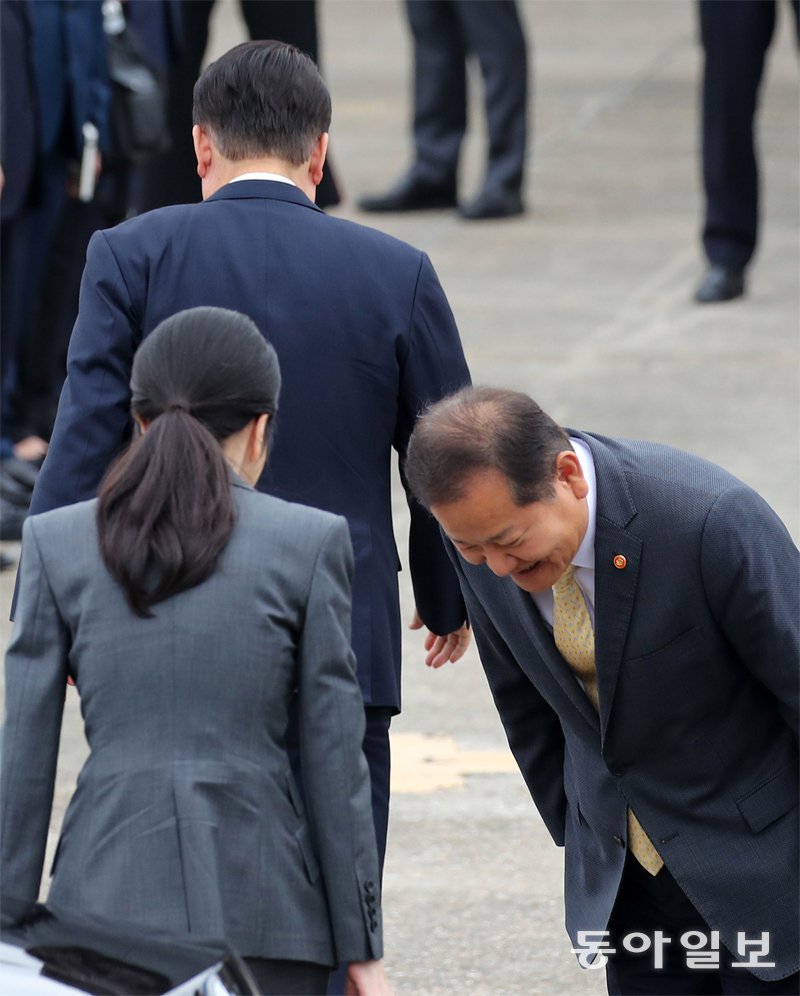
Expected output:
(192, 612)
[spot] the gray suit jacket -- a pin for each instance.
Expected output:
(186, 815)
(697, 650)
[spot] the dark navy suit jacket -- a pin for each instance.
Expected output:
(365, 338)
(697, 650)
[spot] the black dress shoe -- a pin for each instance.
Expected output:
(413, 194)
(493, 204)
(720, 283)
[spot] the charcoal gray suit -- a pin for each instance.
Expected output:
(186, 815)
(697, 650)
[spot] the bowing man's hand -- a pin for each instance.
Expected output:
(367, 978)
(442, 649)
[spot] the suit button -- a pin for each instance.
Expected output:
(620, 770)
(619, 840)
(369, 887)
(373, 924)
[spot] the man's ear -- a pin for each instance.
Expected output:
(317, 160)
(203, 149)
(570, 472)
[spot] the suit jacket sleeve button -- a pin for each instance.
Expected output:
(619, 840)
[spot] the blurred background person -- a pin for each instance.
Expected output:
(736, 35)
(152, 27)
(446, 33)
(223, 606)
(19, 159)
(54, 82)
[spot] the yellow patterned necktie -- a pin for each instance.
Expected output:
(574, 636)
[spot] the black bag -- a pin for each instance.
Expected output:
(138, 114)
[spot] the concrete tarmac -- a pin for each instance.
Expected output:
(585, 303)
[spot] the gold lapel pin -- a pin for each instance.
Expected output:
(620, 562)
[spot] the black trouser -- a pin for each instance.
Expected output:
(288, 978)
(736, 35)
(445, 33)
(648, 905)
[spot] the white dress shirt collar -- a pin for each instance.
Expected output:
(584, 558)
(263, 176)
(585, 555)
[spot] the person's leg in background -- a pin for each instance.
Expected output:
(735, 35)
(440, 111)
(440, 90)
(172, 178)
(494, 34)
(43, 353)
(32, 263)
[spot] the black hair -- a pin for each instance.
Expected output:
(165, 511)
(483, 428)
(263, 98)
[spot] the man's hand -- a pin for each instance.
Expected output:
(442, 649)
(367, 978)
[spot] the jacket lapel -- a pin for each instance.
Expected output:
(617, 558)
(615, 593)
(540, 636)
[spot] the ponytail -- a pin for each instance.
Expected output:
(165, 511)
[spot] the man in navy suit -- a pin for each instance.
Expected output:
(636, 613)
(362, 328)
